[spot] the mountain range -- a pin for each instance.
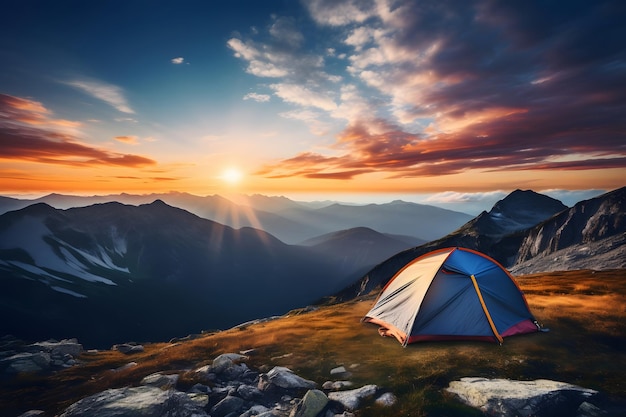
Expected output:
(527, 232)
(290, 221)
(111, 272)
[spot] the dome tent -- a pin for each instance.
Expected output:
(451, 293)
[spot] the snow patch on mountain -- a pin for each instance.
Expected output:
(32, 269)
(32, 236)
(66, 291)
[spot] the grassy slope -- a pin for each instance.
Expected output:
(586, 312)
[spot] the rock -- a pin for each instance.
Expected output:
(589, 410)
(128, 348)
(33, 413)
(27, 362)
(57, 349)
(201, 389)
(141, 401)
(311, 405)
(352, 398)
(225, 361)
(201, 399)
(248, 392)
(227, 406)
(336, 385)
(284, 378)
(255, 410)
(338, 370)
(386, 400)
(160, 381)
(125, 367)
(506, 397)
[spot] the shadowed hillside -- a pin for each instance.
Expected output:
(584, 310)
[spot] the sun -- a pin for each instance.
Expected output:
(232, 176)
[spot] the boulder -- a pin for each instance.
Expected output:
(128, 348)
(351, 399)
(141, 401)
(386, 400)
(281, 377)
(505, 397)
(57, 349)
(160, 381)
(228, 405)
(27, 362)
(336, 385)
(311, 405)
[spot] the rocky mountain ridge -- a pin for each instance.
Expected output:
(592, 232)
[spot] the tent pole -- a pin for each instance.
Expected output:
(482, 302)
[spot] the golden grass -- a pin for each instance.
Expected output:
(585, 311)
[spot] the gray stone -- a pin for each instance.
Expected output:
(284, 378)
(58, 349)
(125, 367)
(160, 381)
(255, 410)
(228, 405)
(311, 405)
(141, 401)
(225, 361)
(201, 389)
(248, 392)
(589, 410)
(386, 400)
(128, 348)
(338, 370)
(351, 399)
(337, 385)
(27, 362)
(506, 397)
(201, 399)
(33, 413)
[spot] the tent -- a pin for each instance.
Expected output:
(448, 294)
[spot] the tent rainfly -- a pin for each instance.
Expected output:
(452, 294)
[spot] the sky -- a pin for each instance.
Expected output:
(445, 102)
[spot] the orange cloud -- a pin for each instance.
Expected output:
(132, 140)
(27, 134)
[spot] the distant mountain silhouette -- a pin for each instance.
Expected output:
(499, 233)
(355, 251)
(290, 221)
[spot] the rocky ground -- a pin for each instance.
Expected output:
(339, 366)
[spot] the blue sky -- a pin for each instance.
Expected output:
(445, 101)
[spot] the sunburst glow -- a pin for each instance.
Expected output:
(232, 176)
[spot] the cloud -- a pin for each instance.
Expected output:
(299, 94)
(29, 133)
(429, 88)
(261, 98)
(177, 61)
(132, 140)
(110, 94)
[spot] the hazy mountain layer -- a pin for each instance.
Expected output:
(290, 221)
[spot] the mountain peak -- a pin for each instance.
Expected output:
(525, 202)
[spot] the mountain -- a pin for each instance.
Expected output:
(290, 221)
(398, 217)
(355, 251)
(590, 235)
(112, 272)
(592, 232)
(518, 211)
